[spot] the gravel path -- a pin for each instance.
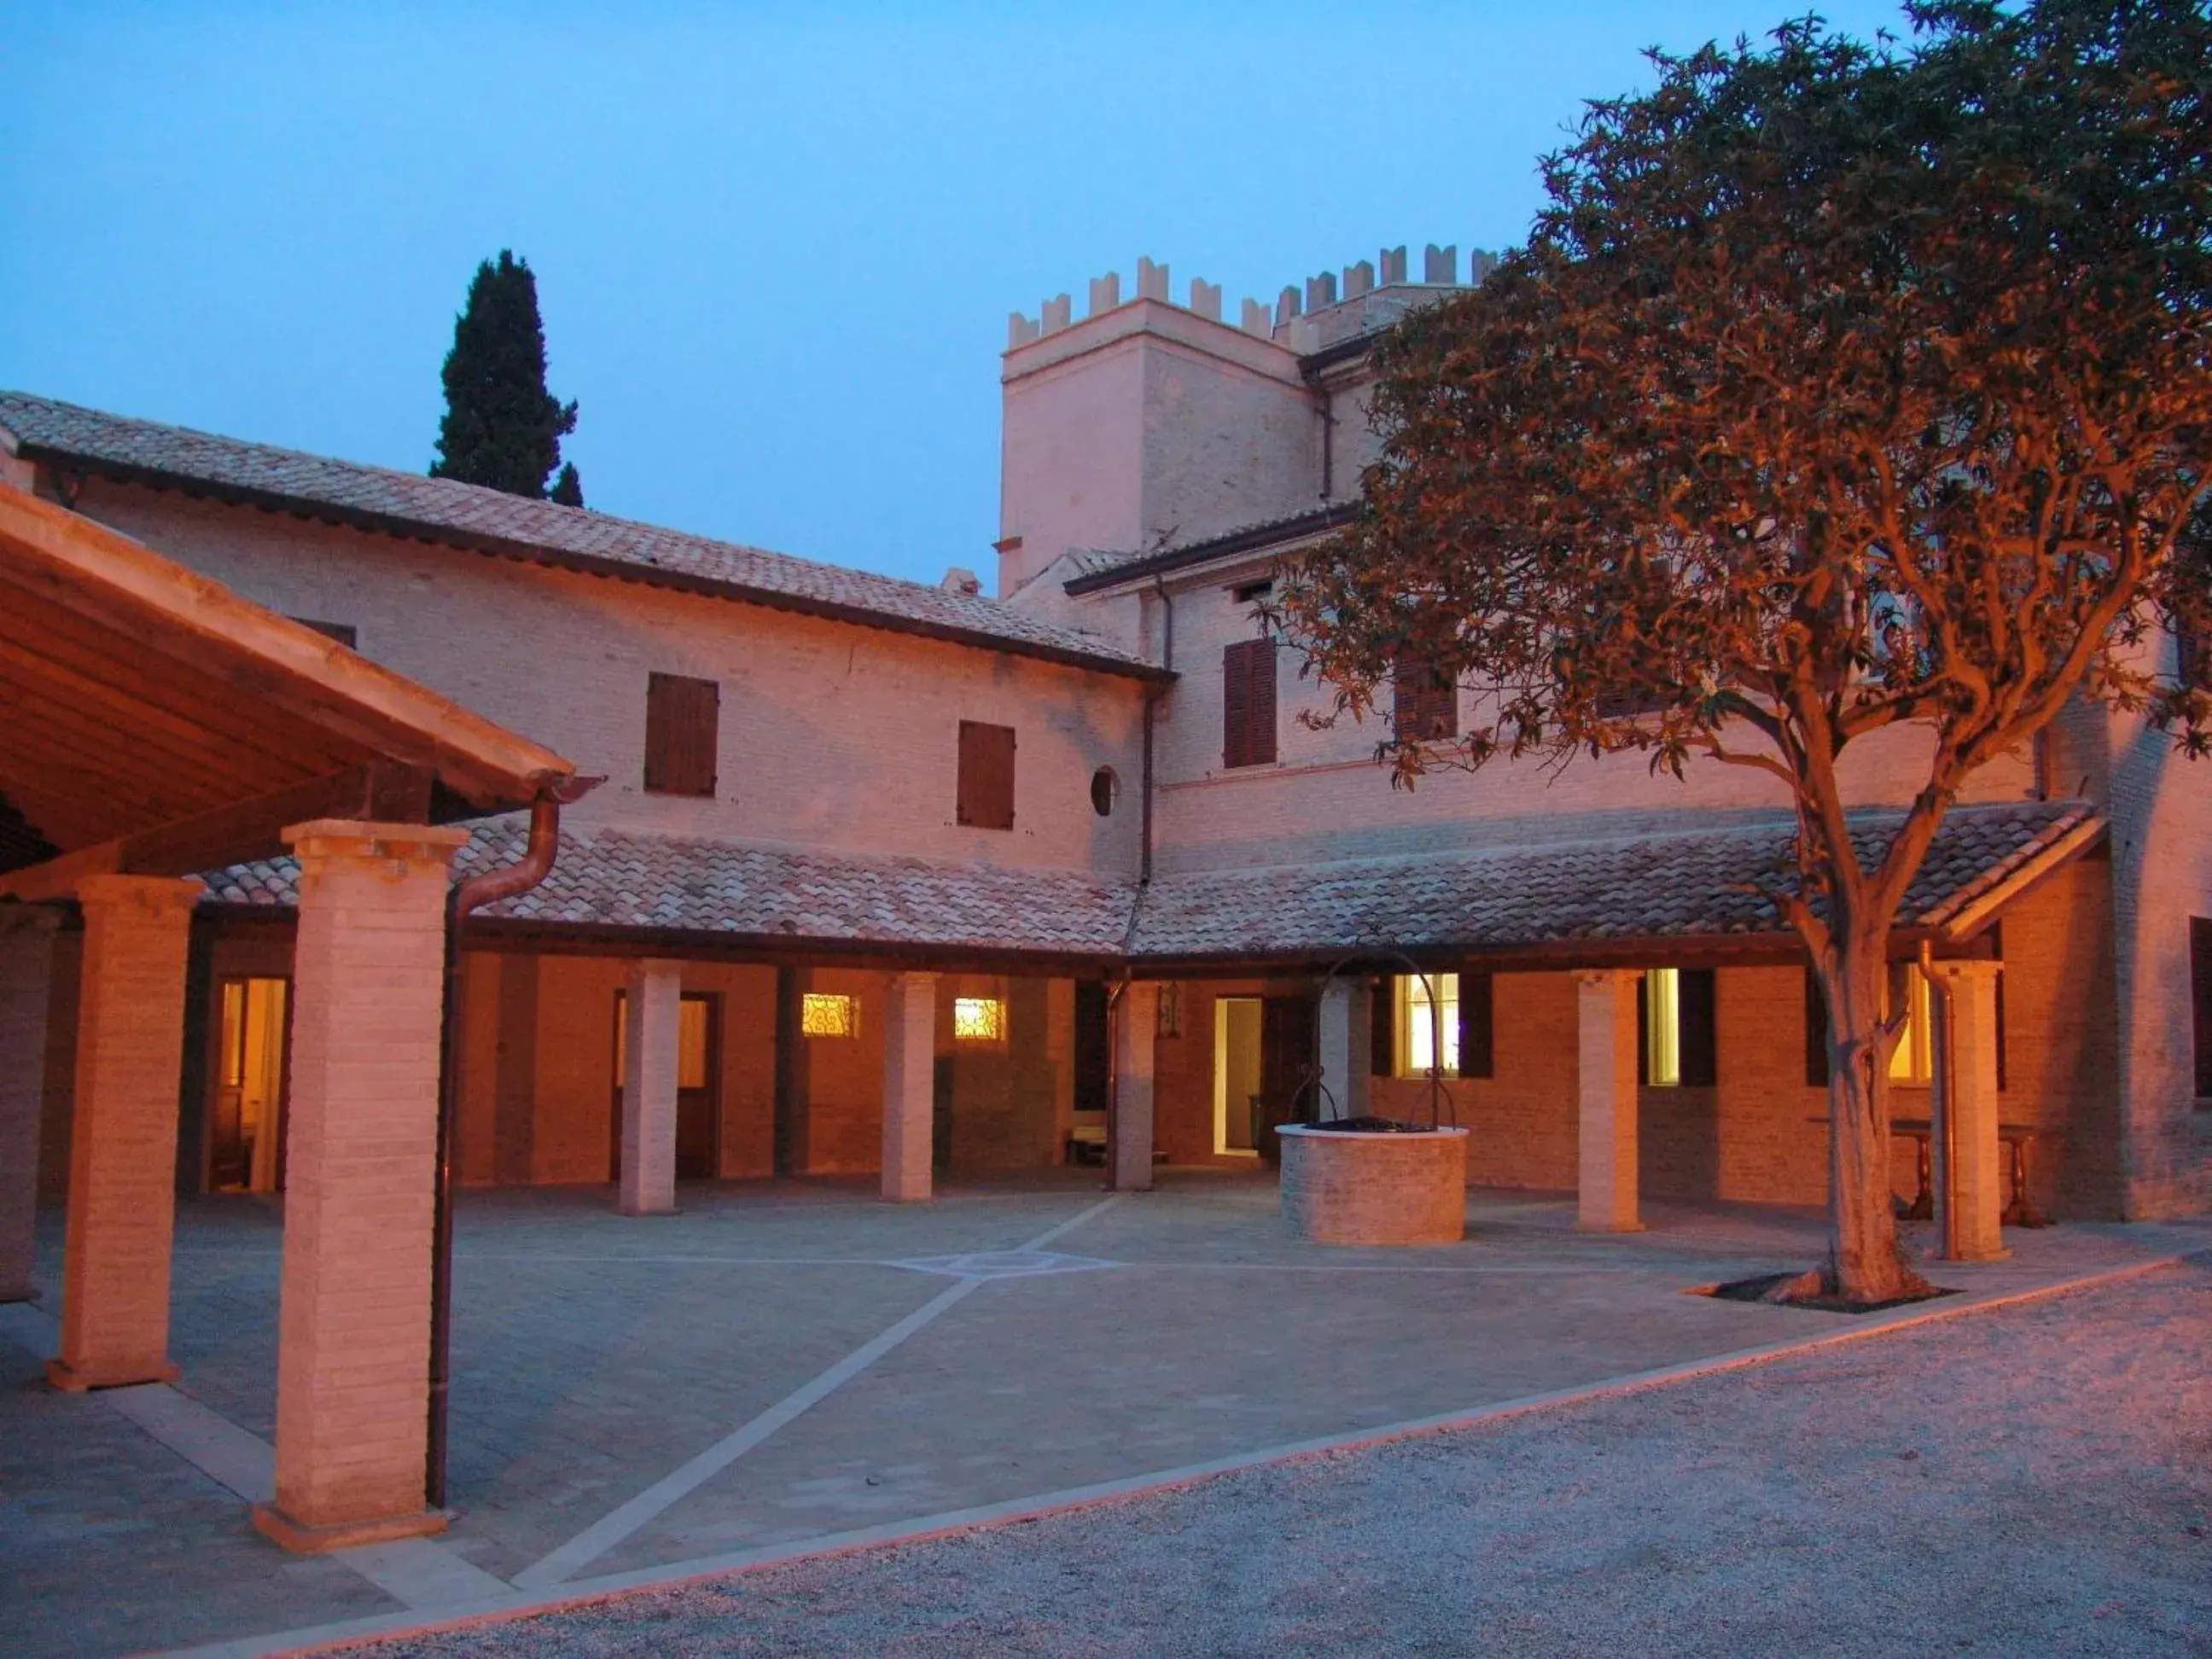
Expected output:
(2035, 1480)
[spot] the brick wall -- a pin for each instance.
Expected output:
(832, 737)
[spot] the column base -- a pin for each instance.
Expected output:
(624, 1209)
(273, 1523)
(81, 1379)
(2003, 1253)
(1610, 1227)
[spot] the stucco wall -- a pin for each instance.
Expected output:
(1326, 798)
(832, 737)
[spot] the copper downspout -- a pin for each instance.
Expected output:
(465, 897)
(1946, 1084)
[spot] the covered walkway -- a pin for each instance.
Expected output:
(157, 725)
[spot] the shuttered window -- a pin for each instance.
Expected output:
(682, 718)
(986, 795)
(1477, 1039)
(2200, 995)
(1816, 1032)
(1248, 703)
(1425, 704)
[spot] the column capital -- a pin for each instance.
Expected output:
(651, 967)
(1607, 975)
(1966, 967)
(917, 977)
(321, 840)
(159, 894)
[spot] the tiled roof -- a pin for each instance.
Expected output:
(613, 878)
(490, 521)
(1103, 567)
(1692, 883)
(1684, 886)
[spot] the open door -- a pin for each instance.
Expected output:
(698, 1100)
(1286, 1065)
(246, 1138)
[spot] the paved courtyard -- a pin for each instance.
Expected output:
(780, 1367)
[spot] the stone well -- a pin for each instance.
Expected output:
(1367, 1188)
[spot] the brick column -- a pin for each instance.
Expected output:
(123, 1136)
(1970, 1178)
(1136, 1032)
(1605, 1085)
(1347, 1047)
(652, 1006)
(26, 970)
(353, 1350)
(909, 1087)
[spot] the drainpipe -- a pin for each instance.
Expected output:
(535, 864)
(1152, 695)
(1947, 1139)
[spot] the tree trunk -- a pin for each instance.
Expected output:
(1863, 1225)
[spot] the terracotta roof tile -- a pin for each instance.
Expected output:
(1690, 883)
(52, 428)
(613, 878)
(1693, 883)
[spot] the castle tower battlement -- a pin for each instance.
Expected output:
(1149, 420)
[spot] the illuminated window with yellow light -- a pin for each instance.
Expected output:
(1662, 1027)
(694, 1033)
(827, 1014)
(1428, 1008)
(1913, 1060)
(979, 1019)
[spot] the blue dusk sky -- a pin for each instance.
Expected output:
(775, 245)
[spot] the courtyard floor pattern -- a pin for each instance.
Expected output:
(777, 1369)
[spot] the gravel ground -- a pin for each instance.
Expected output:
(2034, 1480)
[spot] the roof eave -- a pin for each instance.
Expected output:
(389, 523)
(1236, 543)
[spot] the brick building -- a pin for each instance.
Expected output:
(889, 880)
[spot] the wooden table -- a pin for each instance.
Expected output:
(2019, 1210)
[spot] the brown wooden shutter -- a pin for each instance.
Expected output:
(2200, 999)
(683, 718)
(1816, 1033)
(985, 798)
(1382, 1034)
(1248, 703)
(1700, 1037)
(1478, 1037)
(1425, 705)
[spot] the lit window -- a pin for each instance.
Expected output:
(827, 1014)
(694, 1031)
(1419, 1023)
(979, 1019)
(1913, 1060)
(1662, 1027)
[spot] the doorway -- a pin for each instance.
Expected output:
(1286, 1067)
(246, 1138)
(698, 1101)
(1239, 1095)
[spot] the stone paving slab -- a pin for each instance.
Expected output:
(599, 1356)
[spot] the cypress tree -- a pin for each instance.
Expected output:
(569, 489)
(503, 428)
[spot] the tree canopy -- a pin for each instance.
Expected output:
(1840, 386)
(501, 427)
